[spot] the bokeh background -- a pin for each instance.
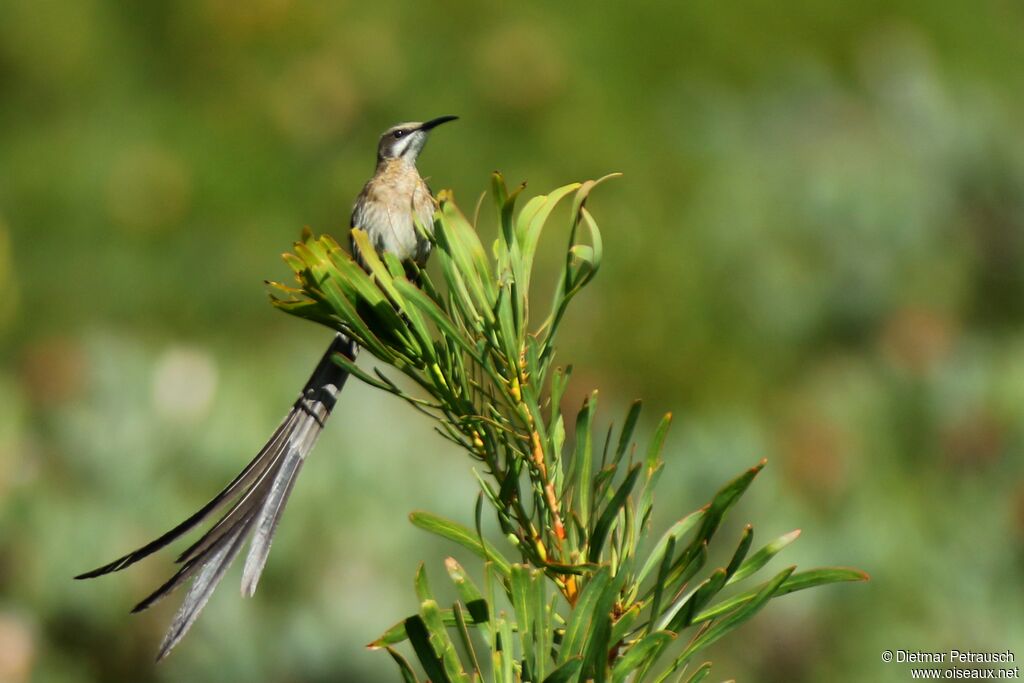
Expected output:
(816, 256)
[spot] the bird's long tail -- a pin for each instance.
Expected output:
(254, 501)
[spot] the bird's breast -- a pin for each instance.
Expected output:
(388, 209)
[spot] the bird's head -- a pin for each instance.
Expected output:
(405, 140)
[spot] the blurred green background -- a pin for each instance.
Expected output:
(815, 256)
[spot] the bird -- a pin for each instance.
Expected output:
(392, 207)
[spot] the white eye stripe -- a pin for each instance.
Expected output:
(407, 146)
(411, 143)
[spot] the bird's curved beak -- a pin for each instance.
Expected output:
(434, 123)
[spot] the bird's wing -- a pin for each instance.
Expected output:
(359, 219)
(424, 209)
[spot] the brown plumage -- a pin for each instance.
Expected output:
(389, 206)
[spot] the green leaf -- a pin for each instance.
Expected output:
(528, 230)
(580, 200)
(419, 636)
(700, 597)
(584, 456)
(467, 641)
(459, 240)
(459, 302)
(624, 624)
(498, 188)
(653, 464)
(557, 445)
(349, 366)
(741, 551)
(507, 209)
(734, 619)
(579, 268)
(544, 629)
(441, 642)
(796, 582)
(566, 672)
(454, 531)
(422, 587)
(647, 647)
(523, 596)
(510, 328)
(762, 556)
(559, 383)
(396, 634)
(418, 299)
(357, 327)
(611, 511)
(675, 532)
(626, 436)
(679, 577)
(526, 216)
(725, 499)
(506, 651)
(468, 592)
(700, 674)
(713, 514)
(661, 582)
(598, 641)
(583, 615)
(408, 675)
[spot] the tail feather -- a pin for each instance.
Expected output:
(254, 495)
(257, 497)
(239, 483)
(314, 411)
(188, 569)
(203, 587)
(266, 525)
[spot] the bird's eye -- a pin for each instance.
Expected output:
(398, 133)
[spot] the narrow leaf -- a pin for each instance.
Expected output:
(566, 672)
(701, 597)
(676, 531)
(419, 636)
(725, 499)
(522, 602)
(734, 619)
(408, 675)
(454, 531)
(396, 634)
(661, 582)
(583, 614)
(647, 647)
(626, 436)
(467, 642)
(422, 587)
(611, 511)
(442, 642)
(468, 592)
(741, 551)
(762, 556)
(700, 674)
(796, 582)
(584, 456)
